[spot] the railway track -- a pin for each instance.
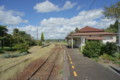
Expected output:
(12, 66)
(44, 68)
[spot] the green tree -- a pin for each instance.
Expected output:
(76, 30)
(8, 41)
(42, 37)
(113, 11)
(3, 32)
(15, 32)
(113, 27)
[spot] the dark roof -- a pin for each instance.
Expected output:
(90, 29)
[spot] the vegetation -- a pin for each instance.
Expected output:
(23, 47)
(109, 48)
(103, 52)
(13, 55)
(3, 33)
(113, 27)
(76, 30)
(113, 11)
(11, 73)
(42, 37)
(19, 40)
(92, 49)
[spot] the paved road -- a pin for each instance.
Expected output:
(83, 68)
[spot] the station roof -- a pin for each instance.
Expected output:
(90, 29)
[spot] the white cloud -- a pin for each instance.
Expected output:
(60, 27)
(48, 6)
(10, 16)
(68, 5)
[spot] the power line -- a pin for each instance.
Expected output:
(87, 12)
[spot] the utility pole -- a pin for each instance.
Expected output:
(37, 37)
(118, 34)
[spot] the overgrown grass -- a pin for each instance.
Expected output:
(107, 57)
(36, 52)
(96, 59)
(117, 62)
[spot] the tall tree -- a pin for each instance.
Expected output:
(3, 32)
(113, 11)
(113, 27)
(42, 37)
(15, 32)
(76, 30)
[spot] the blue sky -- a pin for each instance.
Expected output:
(56, 18)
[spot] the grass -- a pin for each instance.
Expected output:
(63, 43)
(95, 59)
(36, 52)
(117, 62)
(107, 57)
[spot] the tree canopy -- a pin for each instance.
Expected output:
(76, 29)
(17, 39)
(113, 11)
(113, 27)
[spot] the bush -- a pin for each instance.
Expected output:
(1, 51)
(40, 43)
(22, 47)
(92, 49)
(9, 49)
(116, 55)
(13, 55)
(109, 48)
(6, 56)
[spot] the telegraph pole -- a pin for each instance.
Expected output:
(37, 37)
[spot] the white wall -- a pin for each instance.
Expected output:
(109, 39)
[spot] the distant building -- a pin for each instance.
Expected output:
(79, 38)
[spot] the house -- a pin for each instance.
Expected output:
(79, 38)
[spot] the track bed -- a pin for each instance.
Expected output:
(49, 67)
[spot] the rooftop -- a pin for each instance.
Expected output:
(90, 29)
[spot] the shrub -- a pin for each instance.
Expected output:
(1, 51)
(6, 56)
(23, 47)
(109, 48)
(13, 55)
(92, 49)
(40, 43)
(116, 55)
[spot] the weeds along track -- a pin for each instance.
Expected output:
(14, 65)
(42, 68)
(16, 62)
